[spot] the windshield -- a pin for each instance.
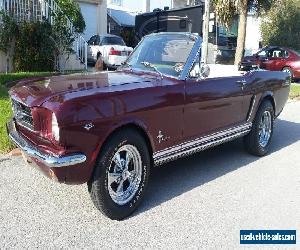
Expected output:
(112, 41)
(166, 54)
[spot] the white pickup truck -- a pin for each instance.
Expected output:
(112, 48)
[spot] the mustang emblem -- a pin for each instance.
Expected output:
(88, 126)
(161, 137)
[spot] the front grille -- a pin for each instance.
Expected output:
(22, 114)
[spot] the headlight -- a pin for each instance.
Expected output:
(55, 128)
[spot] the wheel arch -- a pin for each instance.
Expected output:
(286, 66)
(136, 126)
(270, 97)
(140, 128)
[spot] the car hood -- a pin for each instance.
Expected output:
(34, 92)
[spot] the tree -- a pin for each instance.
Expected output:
(72, 10)
(281, 26)
(228, 10)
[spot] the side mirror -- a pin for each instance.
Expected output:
(204, 71)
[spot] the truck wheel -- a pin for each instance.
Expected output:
(121, 175)
(257, 142)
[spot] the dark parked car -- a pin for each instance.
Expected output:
(275, 59)
(108, 129)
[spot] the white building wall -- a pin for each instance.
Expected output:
(102, 17)
(95, 15)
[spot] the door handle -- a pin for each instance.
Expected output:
(242, 83)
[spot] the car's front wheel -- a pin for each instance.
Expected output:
(289, 71)
(121, 175)
(257, 142)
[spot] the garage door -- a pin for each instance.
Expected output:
(89, 12)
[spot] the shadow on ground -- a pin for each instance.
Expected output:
(176, 178)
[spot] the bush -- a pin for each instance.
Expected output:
(39, 46)
(34, 49)
(281, 25)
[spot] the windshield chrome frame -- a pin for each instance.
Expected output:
(195, 53)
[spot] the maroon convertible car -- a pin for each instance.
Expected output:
(109, 129)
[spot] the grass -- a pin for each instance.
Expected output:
(6, 78)
(295, 91)
(5, 114)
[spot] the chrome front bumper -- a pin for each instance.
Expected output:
(49, 160)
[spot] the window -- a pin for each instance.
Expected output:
(116, 2)
(112, 40)
(262, 53)
(278, 53)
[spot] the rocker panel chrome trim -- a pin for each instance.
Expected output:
(200, 144)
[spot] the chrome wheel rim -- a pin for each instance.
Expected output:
(265, 129)
(124, 174)
(289, 72)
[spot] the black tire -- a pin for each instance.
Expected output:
(99, 185)
(252, 140)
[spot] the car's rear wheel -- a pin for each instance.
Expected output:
(121, 175)
(257, 142)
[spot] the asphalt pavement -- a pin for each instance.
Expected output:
(199, 202)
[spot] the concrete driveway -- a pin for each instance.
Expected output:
(199, 202)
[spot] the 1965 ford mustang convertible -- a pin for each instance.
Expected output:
(109, 128)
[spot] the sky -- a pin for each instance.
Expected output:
(139, 5)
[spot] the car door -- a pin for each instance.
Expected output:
(276, 59)
(213, 104)
(281, 59)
